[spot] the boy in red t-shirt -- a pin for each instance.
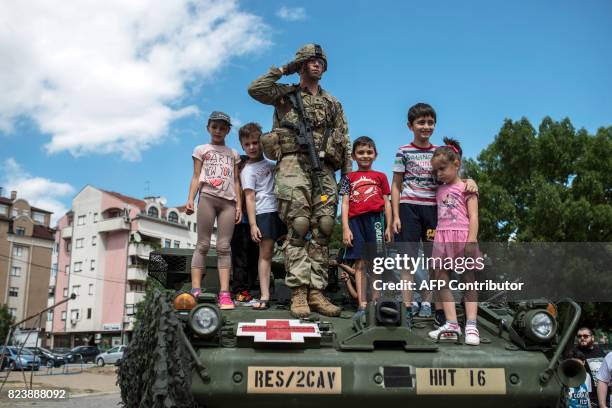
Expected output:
(366, 210)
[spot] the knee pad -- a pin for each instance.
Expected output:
(324, 229)
(298, 230)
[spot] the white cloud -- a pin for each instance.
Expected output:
(37, 191)
(291, 14)
(106, 77)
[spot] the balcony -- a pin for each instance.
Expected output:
(131, 298)
(140, 250)
(135, 273)
(67, 232)
(113, 224)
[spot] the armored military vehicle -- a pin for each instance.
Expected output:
(187, 352)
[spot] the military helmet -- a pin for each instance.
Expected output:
(310, 51)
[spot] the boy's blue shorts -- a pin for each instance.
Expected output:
(368, 228)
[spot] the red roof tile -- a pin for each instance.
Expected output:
(130, 200)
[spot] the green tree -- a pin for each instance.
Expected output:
(6, 321)
(549, 185)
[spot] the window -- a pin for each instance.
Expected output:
(16, 271)
(78, 267)
(173, 217)
(91, 289)
(177, 244)
(13, 311)
(76, 289)
(94, 240)
(153, 212)
(75, 315)
(130, 310)
(81, 220)
(38, 217)
(50, 315)
(64, 315)
(189, 225)
(89, 312)
(65, 293)
(54, 270)
(67, 270)
(167, 243)
(79, 243)
(195, 227)
(68, 245)
(13, 291)
(17, 251)
(56, 247)
(136, 287)
(3, 209)
(95, 217)
(20, 231)
(92, 265)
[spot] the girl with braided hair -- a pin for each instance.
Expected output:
(456, 237)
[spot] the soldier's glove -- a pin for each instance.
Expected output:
(291, 68)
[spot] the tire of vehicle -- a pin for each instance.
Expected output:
(12, 365)
(100, 362)
(156, 366)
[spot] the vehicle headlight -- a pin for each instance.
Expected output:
(205, 320)
(541, 326)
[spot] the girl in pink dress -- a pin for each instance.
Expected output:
(455, 239)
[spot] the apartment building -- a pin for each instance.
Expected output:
(103, 245)
(26, 243)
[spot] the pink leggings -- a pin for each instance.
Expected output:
(209, 208)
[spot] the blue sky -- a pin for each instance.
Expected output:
(476, 62)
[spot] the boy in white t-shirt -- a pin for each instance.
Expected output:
(257, 181)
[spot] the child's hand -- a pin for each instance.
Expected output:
(189, 207)
(388, 234)
(471, 249)
(344, 276)
(347, 237)
(238, 217)
(471, 186)
(255, 234)
(397, 226)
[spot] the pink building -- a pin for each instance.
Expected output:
(102, 249)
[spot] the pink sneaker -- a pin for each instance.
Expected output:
(225, 301)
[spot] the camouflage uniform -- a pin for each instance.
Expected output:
(298, 198)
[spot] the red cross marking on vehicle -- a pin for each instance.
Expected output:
(270, 330)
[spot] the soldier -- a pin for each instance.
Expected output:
(308, 212)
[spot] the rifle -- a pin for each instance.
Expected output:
(305, 139)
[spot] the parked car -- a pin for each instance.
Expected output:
(60, 350)
(111, 356)
(47, 357)
(86, 353)
(17, 359)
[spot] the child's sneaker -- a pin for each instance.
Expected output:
(195, 292)
(472, 336)
(359, 314)
(244, 297)
(414, 308)
(450, 332)
(225, 301)
(425, 310)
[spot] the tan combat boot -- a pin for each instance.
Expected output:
(321, 304)
(299, 302)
